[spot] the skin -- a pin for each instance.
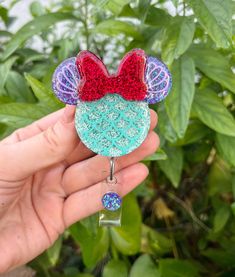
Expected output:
(49, 180)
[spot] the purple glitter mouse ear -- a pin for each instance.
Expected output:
(158, 80)
(65, 81)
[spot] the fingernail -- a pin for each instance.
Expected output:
(69, 113)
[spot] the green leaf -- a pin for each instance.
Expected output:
(179, 101)
(214, 65)
(34, 27)
(154, 242)
(5, 99)
(172, 167)
(116, 6)
(175, 3)
(113, 27)
(144, 266)
(36, 9)
(115, 268)
(3, 128)
(177, 38)
(209, 108)
(219, 177)
(4, 14)
(165, 125)
(83, 275)
(128, 11)
(198, 152)
(221, 218)
(232, 206)
(43, 94)
(17, 88)
(46, 81)
(30, 55)
(40, 70)
(142, 9)
(53, 252)
(4, 71)
(156, 17)
(226, 148)
(221, 257)
(233, 184)
(194, 133)
(178, 268)
(216, 18)
(66, 48)
(4, 33)
(127, 237)
(21, 114)
(93, 240)
(6, 131)
(48, 259)
(159, 155)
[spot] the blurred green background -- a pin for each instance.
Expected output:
(180, 221)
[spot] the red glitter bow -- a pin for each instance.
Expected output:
(96, 82)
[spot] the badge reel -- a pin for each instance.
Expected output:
(112, 115)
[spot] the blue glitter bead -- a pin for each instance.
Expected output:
(111, 201)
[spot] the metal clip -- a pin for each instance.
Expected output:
(112, 168)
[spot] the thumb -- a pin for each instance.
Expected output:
(47, 148)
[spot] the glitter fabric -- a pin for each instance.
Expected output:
(112, 126)
(158, 80)
(96, 81)
(65, 81)
(111, 201)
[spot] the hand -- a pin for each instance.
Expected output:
(49, 180)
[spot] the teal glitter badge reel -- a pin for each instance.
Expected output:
(112, 115)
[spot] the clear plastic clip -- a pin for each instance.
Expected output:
(112, 202)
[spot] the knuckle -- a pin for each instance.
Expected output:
(37, 126)
(154, 119)
(152, 143)
(51, 139)
(119, 163)
(18, 134)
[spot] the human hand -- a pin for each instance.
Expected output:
(49, 180)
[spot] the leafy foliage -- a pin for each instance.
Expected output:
(180, 222)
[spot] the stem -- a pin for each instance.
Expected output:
(154, 174)
(85, 22)
(114, 252)
(174, 247)
(184, 8)
(189, 210)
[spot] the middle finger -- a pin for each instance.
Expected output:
(88, 172)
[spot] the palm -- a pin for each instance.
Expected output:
(32, 213)
(39, 199)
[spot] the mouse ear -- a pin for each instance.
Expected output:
(158, 80)
(65, 81)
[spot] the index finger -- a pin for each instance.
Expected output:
(36, 127)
